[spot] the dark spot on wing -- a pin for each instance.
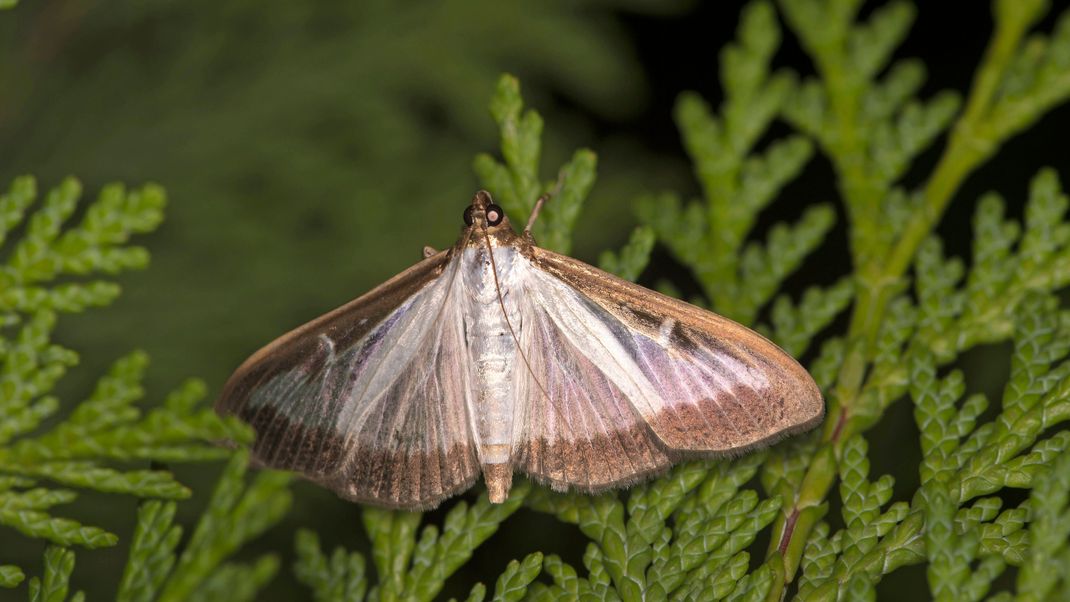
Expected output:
(642, 316)
(682, 340)
(620, 331)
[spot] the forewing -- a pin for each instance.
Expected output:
(701, 382)
(370, 399)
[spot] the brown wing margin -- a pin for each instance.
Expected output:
(300, 390)
(791, 402)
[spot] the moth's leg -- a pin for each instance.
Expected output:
(535, 212)
(429, 252)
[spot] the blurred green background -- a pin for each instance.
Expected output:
(310, 150)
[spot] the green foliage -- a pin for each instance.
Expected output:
(515, 184)
(340, 578)
(710, 235)
(52, 267)
(1043, 574)
(871, 129)
(10, 576)
(513, 583)
(59, 563)
(635, 550)
(633, 258)
(411, 568)
(964, 537)
(965, 460)
(236, 514)
(47, 252)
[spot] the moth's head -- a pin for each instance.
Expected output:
(483, 213)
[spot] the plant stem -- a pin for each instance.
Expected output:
(972, 141)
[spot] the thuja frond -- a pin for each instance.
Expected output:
(962, 534)
(10, 576)
(54, 586)
(636, 551)
(964, 537)
(954, 312)
(342, 577)
(864, 548)
(796, 325)
(48, 250)
(80, 451)
(236, 514)
(152, 552)
(438, 554)
(516, 183)
(632, 259)
(1044, 573)
(409, 568)
(513, 583)
(710, 236)
(104, 442)
(862, 113)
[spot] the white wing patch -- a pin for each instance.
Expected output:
(665, 332)
(652, 373)
(394, 405)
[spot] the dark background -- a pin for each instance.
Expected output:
(311, 150)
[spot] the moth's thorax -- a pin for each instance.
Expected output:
(490, 343)
(501, 235)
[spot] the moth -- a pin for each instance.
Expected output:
(497, 356)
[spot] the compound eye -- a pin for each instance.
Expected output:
(468, 215)
(494, 215)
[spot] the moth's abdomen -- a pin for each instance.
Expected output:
(493, 353)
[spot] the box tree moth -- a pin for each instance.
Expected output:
(497, 356)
